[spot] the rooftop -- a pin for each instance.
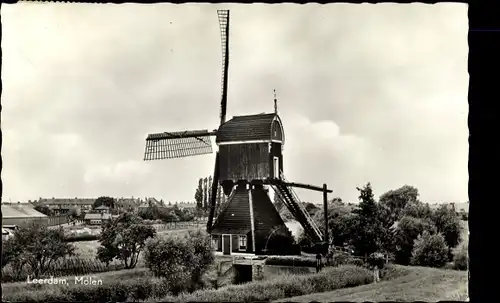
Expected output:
(57, 201)
(20, 210)
(247, 128)
(90, 216)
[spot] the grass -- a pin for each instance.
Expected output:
(282, 286)
(402, 283)
(138, 284)
(13, 289)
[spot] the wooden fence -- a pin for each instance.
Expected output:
(57, 220)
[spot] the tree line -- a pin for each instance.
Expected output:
(399, 225)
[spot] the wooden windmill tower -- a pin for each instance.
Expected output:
(248, 159)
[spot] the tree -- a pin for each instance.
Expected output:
(198, 195)
(448, 224)
(340, 222)
(209, 191)
(181, 261)
(106, 201)
(367, 229)
(75, 213)
(38, 247)
(124, 238)
(429, 250)
(44, 209)
(407, 231)
(205, 193)
(219, 196)
(397, 199)
(416, 209)
(311, 208)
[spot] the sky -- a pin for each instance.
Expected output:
(366, 92)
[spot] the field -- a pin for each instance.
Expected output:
(415, 284)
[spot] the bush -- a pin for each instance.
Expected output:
(78, 238)
(282, 287)
(36, 247)
(181, 261)
(430, 250)
(124, 238)
(461, 257)
(407, 231)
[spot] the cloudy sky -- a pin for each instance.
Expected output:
(367, 93)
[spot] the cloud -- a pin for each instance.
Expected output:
(367, 93)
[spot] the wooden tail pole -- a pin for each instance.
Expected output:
(213, 197)
(325, 209)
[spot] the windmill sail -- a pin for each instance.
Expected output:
(224, 32)
(170, 145)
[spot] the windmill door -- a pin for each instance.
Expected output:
(226, 244)
(276, 167)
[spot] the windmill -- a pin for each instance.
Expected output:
(248, 161)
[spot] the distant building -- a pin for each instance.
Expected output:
(460, 207)
(186, 205)
(127, 204)
(64, 205)
(21, 214)
(96, 219)
(102, 209)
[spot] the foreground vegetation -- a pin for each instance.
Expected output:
(81, 261)
(401, 284)
(140, 285)
(180, 266)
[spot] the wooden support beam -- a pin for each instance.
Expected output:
(294, 184)
(307, 186)
(325, 209)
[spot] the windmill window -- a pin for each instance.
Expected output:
(243, 242)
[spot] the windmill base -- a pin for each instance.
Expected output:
(251, 224)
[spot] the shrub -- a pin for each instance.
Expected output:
(124, 238)
(282, 287)
(181, 261)
(78, 238)
(407, 231)
(461, 257)
(430, 250)
(377, 259)
(37, 246)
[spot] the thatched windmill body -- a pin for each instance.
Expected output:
(248, 161)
